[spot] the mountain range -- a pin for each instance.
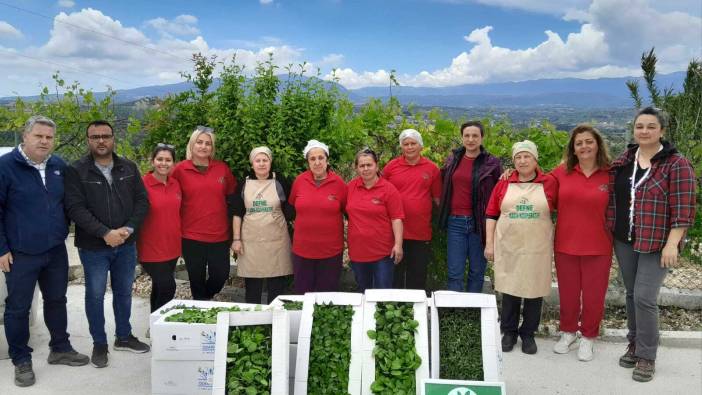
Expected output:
(563, 92)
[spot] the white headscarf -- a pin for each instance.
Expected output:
(315, 144)
(260, 150)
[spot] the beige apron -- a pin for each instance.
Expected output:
(524, 242)
(264, 233)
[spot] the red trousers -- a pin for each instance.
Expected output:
(582, 286)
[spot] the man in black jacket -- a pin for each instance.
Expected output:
(106, 199)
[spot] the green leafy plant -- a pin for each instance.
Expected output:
(292, 305)
(249, 360)
(330, 350)
(199, 316)
(460, 345)
(396, 359)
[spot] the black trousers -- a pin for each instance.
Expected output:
(163, 285)
(411, 272)
(208, 267)
(531, 315)
(254, 288)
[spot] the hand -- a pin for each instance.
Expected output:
(669, 256)
(114, 238)
(124, 232)
(5, 262)
(505, 174)
(237, 247)
(396, 253)
(489, 252)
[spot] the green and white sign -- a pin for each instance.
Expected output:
(461, 387)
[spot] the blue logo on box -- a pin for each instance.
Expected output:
(204, 378)
(207, 342)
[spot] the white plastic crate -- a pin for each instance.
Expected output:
(182, 377)
(280, 333)
(294, 315)
(421, 340)
(185, 341)
(304, 342)
(489, 329)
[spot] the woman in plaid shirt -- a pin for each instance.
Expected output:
(652, 203)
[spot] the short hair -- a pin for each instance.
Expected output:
(38, 119)
(193, 138)
(99, 122)
(660, 115)
(365, 152)
(477, 124)
(602, 160)
(163, 147)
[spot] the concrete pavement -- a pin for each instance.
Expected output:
(679, 370)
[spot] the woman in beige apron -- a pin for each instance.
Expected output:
(520, 241)
(261, 240)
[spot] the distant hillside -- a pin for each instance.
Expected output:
(570, 92)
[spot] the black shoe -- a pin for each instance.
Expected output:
(132, 344)
(628, 360)
(24, 375)
(508, 341)
(99, 357)
(528, 345)
(70, 358)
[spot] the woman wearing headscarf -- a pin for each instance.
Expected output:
(520, 241)
(419, 182)
(319, 198)
(261, 240)
(207, 185)
(651, 206)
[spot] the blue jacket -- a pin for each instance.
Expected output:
(32, 218)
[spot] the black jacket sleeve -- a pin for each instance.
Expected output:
(288, 209)
(76, 206)
(236, 201)
(141, 202)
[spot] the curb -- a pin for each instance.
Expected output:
(682, 339)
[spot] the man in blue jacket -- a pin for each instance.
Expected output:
(33, 230)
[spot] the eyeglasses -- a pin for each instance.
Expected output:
(368, 151)
(98, 137)
(162, 145)
(204, 129)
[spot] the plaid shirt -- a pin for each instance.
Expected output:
(665, 200)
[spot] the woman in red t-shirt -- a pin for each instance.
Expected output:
(374, 209)
(158, 244)
(207, 186)
(319, 198)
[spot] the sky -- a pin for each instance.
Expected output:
(431, 43)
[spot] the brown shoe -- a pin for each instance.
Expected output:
(644, 370)
(628, 360)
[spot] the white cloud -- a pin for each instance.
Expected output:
(9, 31)
(265, 2)
(332, 60)
(182, 25)
(66, 3)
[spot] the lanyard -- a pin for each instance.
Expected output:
(635, 184)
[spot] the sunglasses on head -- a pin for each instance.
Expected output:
(162, 145)
(204, 129)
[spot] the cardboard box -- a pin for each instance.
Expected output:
(421, 340)
(489, 329)
(304, 342)
(182, 377)
(183, 341)
(280, 334)
(294, 315)
(185, 303)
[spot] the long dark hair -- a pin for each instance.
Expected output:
(603, 160)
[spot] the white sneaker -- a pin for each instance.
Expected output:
(563, 344)
(585, 351)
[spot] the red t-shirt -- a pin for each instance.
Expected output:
(370, 213)
(462, 193)
(159, 237)
(582, 206)
(319, 219)
(203, 213)
(417, 184)
(493, 208)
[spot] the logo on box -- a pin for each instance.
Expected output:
(207, 341)
(204, 378)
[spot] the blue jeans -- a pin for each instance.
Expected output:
(376, 274)
(464, 242)
(120, 262)
(50, 270)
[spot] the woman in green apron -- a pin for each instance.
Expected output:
(520, 241)
(261, 240)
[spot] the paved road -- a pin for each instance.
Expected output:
(679, 369)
